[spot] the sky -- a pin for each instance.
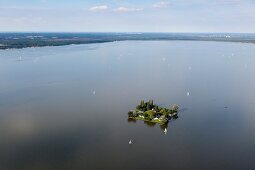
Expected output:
(127, 16)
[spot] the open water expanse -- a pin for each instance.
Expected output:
(66, 107)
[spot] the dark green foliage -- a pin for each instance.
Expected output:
(158, 113)
(145, 106)
(135, 114)
(130, 114)
(150, 103)
(148, 107)
(156, 108)
(151, 114)
(151, 111)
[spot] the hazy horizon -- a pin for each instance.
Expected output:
(123, 32)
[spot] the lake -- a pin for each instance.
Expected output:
(66, 107)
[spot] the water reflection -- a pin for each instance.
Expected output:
(149, 124)
(152, 124)
(164, 126)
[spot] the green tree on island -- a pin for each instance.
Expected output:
(148, 111)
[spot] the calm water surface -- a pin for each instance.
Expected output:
(66, 107)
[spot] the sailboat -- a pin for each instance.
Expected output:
(130, 142)
(165, 131)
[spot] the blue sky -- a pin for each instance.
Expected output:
(128, 15)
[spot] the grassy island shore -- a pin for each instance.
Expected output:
(148, 111)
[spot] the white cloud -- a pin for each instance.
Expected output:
(124, 9)
(98, 8)
(161, 4)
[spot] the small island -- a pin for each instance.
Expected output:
(148, 111)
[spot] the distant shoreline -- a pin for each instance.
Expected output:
(26, 40)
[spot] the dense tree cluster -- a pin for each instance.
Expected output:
(145, 106)
(149, 111)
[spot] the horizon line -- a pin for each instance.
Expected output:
(127, 32)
